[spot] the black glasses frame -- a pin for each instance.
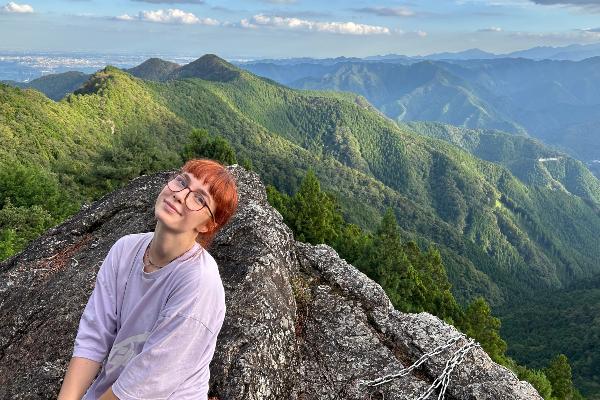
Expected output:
(179, 174)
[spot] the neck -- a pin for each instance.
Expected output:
(167, 245)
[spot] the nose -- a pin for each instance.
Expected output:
(180, 196)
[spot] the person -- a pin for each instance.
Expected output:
(152, 320)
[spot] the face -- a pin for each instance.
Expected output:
(171, 210)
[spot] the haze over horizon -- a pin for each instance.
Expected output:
(295, 28)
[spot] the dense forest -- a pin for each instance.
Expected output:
(467, 234)
(555, 101)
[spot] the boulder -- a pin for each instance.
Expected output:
(301, 322)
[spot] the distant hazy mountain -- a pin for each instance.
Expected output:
(471, 54)
(574, 52)
(424, 91)
(302, 60)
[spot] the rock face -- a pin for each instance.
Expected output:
(301, 323)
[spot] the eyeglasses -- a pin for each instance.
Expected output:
(196, 201)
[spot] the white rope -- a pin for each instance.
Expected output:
(443, 380)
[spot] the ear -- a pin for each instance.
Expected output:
(202, 228)
(207, 227)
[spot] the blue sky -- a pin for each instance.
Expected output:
(294, 28)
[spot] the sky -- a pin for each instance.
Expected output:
(295, 28)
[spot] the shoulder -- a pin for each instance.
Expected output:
(201, 275)
(132, 239)
(198, 291)
(124, 249)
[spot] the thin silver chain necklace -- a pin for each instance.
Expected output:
(150, 263)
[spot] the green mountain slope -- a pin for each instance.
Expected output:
(527, 159)
(500, 236)
(564, 321)
(421, 91)
(466, 202)
(55, 86)
(555, 101)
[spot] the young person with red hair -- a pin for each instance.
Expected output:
(152, 321)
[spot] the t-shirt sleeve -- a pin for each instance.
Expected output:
(98, 324)
(181, 343)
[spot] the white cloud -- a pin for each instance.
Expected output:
(12, 7)
(593, 33)
(125, 17)
(247, 24)
(169, 16)
(349, 28)
(491, 29)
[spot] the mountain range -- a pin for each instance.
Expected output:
(557, 102)
(512, 218)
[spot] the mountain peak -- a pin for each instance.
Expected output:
(209, 67)
(153, 69)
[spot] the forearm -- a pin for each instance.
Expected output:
(78, 378)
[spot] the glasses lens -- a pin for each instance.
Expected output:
(195, 202)
(176, 183)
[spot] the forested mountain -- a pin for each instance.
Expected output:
(555, 101)
(504, 237)
(153, 69)
(55, 86)
(527, 159)
(207, 68)
(563, 320)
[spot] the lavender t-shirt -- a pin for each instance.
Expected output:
(154, 333)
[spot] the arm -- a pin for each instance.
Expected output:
(79, 376)
(96, 332)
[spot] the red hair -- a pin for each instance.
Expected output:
(222, 188)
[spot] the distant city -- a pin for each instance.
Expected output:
(26, 66)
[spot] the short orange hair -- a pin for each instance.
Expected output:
(222, 188)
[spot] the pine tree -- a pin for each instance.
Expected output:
(386, 262)
(201, 144)
(352, 242)
(559, 375)
(484, 327)
(315, 215)
(538, 379)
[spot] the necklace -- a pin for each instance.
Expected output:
(150, 263)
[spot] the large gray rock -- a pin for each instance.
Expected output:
(301, 323)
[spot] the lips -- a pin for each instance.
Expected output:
(172, 207)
